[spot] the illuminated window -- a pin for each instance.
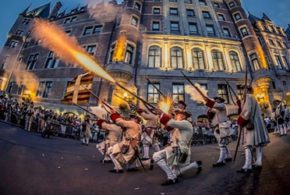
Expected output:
(44, 89)
(176, 58)
(11, 86)
(129, 54)
(178, 92)
(218, 61)
(153, 95)
(223, 92)
(286, 65)
(154, 57)
(52, 61)
(255, 62)
(198, 59)
(235, 61)
(279, 62)
(272, 42)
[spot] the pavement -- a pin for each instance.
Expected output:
(30, 164)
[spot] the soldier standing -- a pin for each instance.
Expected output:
(255, 132)
(220, 123)
(86, 131)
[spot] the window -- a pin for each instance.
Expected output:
(206, 15)
(286, 65)
(13, 44)
(284, 83)
(10, 86)
(226, 32)
(156, 10)
(190, 12)
(19, 33)
(112, 53)
(137, 6)
(98, 29)
(223, 92)
(244, 32)
(210, 30)
(155, 26)
(280, 44)
(152, 93)
(202, 2)
(134, 21)
(129, 54)
(255, 62)
(73, 19)
(25, 21)
(32, 61)
(176, 57)
(235, 61)
(216, 5)
(272, 42)
(273, 85)
(154, 57)
(231, 4)
(218, 61)
(70, 20)
(88, 30)
(91, 49)
(237, 16)
(198, 59)
(178, 92)
(68, 32)
(44, 89)
(279, 62)
(188, 1)
(221, 17)
(52, 61)
(174, 27)
(193, 29)
(5, 62)
(20, 89)
(173, 11)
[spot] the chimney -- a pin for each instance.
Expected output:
(55, 9)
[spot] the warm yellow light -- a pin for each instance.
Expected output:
(120, 48)
(165, 105)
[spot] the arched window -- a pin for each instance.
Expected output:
(235, 61)
(255, 62)
(198, 59)
(176, 58)
(129, 54)
(218, 60)
(154, 57)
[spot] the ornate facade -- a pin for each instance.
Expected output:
(210, 40)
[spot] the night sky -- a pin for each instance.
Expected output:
(277, 10)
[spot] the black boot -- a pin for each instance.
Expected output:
(219, 164)
(170, 182)
(245, 171)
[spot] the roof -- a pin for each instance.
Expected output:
(42, 11)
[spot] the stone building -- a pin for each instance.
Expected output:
(209, 40)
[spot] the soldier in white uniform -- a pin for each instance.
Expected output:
(148, 137)
(29, 117)
(221, 125)
(175, 158)
(124, 152)
(255, 132)
(86, 131)
(114, 135)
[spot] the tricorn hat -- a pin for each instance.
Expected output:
(185, 113)
(182, 103)
(220, 99)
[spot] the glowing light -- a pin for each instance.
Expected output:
(194, 94)
(120, 48)
(165, 105)
(66, 48)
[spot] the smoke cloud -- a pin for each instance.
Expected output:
(194, 94)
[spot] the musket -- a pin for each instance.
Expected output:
(241, 129)
(103, 102)
(192, 84)
(235, 94)
(84, 109)
(157, 89)
(136, 96)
